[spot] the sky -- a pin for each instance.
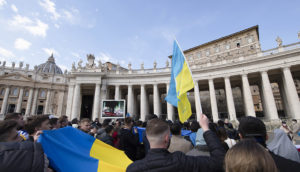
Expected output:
(133, 31)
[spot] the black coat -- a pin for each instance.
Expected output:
(285, 164)
(129, 143)
(161, 160)
(21, 156)
(108, 140)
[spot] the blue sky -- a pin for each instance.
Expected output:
(133, 31)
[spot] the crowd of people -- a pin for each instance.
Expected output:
(159, 144)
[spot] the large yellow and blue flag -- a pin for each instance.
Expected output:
(69, 149)
(181, 82)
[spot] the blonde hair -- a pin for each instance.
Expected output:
(249, 156)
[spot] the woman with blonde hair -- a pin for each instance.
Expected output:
(248, 156)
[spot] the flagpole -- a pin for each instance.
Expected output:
(191, 75)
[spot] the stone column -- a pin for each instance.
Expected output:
(70, 101)
(143, 103)
(197, 100)
(60, 103)
(291, 93)
(130, 100)
(247, 96)
(170, 108)
(156, 101)
(96, 106)
(36, 94)
(47, 105)
(213, 100)
(229, 99)
(29, 102)
(270, 110)
(284, 99)
(76, 100)
(20, 99)
(5, 100)
(117, 92)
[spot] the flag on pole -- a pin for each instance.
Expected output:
(69, 149)
(181, 82)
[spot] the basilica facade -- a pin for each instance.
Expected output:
(233, 78)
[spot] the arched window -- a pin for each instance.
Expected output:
(26, 93)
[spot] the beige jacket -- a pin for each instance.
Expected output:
(178, 143)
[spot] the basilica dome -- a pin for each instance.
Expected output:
(49, 67)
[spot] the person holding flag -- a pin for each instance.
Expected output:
(181, 82)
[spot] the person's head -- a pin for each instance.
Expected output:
(54, 123)
(109, 130)
(94, 128)
(222, 134)
(283, 123)
(294, 121)
(249, 156)
(74, 121)
(151, 116)
(226, 121)
(8, 131)
(251, 127)
(158, 133)
(221, 123)
(85, 124)
(128, 122)
(17, 117)
(176, 129)
(63, 120)
(96, 120)
(195, 126)
(139, 123)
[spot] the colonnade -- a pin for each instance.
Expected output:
(289, 98)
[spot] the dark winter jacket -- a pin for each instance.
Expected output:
(285, 164)
(108, 140)
(160, 160)
(21, 156)
(129, 143)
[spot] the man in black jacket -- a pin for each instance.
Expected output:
(251, 127)
(159, 159)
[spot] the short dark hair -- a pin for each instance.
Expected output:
(63, 118)
(6, 127)
(221, 123)
(251, 127)
(109, 128)
(294, 120)
(128, 120)
(151, 116)
(35, 122)
(194, 126)
(12, 116)
(176, 129)
(156, 127)
(53, 121)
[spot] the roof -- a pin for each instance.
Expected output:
(49, 67)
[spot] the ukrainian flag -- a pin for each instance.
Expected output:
(69, 149)
(181, 82)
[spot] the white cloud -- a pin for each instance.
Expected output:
(50, 51)
(2, 2)
(36, 28)
(57, 26)
(105, 57)
(75, 55)
(14, 8)
(49, 6)
(6, 53)
(22, 44)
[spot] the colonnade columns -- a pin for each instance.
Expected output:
(247, 97)
(269, 105)
(29, 102)
(170, 108)
(70, 101)
(156, 100)
(197, 100)
(213, 100)
(5, 99)
(130, 100)
(76, 100)
(20, 99)
(47, 105)
(117, 92)
(61, 95)
(229, 99)
(36, 94)
(143, 103)
(96, 105)
(291, 93)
